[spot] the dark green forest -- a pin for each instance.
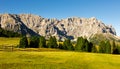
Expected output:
(6, 33)
(82, 45)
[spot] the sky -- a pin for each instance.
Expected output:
(108, 11)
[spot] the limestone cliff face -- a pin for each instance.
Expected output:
(65, 28)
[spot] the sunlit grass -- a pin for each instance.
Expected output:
(58, 60)
(46, 58)
(9, 41)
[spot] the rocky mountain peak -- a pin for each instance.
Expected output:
(65, 28)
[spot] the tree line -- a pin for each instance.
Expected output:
(81, 44)
(6, 33)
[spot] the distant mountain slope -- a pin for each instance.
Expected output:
(65, 28)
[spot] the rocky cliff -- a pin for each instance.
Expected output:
(65, 28)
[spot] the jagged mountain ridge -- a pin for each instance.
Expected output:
(72, 28)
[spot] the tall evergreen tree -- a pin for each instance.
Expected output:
(94, 49)
(108, 47)
(55, 42)
(34, 42)
(68, 45)
(42, 42)
(61, 46)
(113, 46)
(23, 42)
(90, 47)
(102, 47)
(52, 42)
(83, 45)
(6, 33)
(79, 44)
(115, 49)
(86, 45)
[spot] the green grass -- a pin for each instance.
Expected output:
(9, 41)
(57, 60)
(30, 58)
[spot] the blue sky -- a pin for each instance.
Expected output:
(108, 11)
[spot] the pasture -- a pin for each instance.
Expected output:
(57, 60)
(46, 58)
(9, 41)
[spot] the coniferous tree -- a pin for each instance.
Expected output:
(118, 47)
(65, 45)
(60, 46)
(87, 46)
(102, 47)
(42, 42)
(52, 42)
(113, 46)
(34, 42)
(68, 45)
(6, 33)
(79, 44)
(55, 42)
(23, 42)
(108, 47)
(90, 47)
(83, 45)
(94, 49)
(115, 49)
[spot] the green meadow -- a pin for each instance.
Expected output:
(57, 60)
(9, 41)
(46, 58)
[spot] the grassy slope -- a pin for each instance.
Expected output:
(58, 60)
